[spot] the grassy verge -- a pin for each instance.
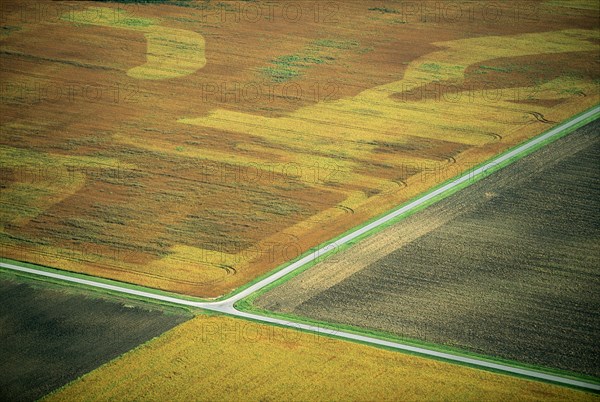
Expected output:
(247, 304)
(94, 279)
(467, 183)
(322, 245)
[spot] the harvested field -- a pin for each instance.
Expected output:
(193, 146)
(258, 362)
(507, 267)
(53, 334)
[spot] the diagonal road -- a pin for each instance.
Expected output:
(227, 306)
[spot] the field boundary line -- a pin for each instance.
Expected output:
(474, 362)
(540, 140)
(234, 303)
(443, 190)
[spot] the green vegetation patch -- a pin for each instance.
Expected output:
(107, 17)
(320, 51)
(497, 69)
(286, 67)
(431, 67)
(384, 10)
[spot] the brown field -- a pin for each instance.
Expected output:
(53, 334)
(193, 149)
(258, 362)
(507, 267)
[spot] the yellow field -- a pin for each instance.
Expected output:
(170, 52)
(211, 358)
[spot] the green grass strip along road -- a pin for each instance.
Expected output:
(227, 305)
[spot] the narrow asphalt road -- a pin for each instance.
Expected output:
(227, 306)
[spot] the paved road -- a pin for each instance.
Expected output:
(227, 306)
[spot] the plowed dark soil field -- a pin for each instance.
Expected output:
(507, 267)
(51, 334)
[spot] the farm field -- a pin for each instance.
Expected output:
(192, 147)
(506, 267)
(258, 362)
(52, 334)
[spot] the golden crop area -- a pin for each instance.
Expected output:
(194, 148)
(209, 357)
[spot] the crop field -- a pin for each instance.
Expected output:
(51, 335)
(258, 362)
(507, 267)
(193, 146)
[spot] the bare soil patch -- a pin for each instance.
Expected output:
(51, 335)
(506, 267)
